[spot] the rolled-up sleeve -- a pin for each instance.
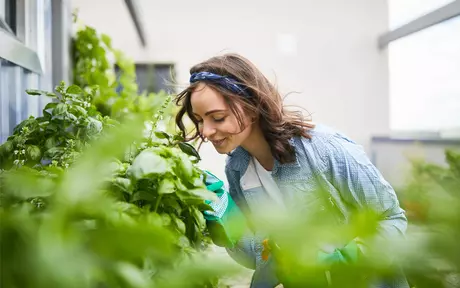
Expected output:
(361, 185)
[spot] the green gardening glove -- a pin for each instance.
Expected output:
(346, 255)
(226, 224)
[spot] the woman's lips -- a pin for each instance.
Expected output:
(218, 142)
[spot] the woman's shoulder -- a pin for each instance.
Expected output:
(321, 136)
(333, 148)
(322, 132)
(326, 142)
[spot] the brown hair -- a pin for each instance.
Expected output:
(265, 104)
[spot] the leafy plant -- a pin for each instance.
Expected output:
(125, 199)
(431, 198)
(94, 65)
(56, 138)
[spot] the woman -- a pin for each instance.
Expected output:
(270, 150)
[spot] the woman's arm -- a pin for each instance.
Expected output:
(361, 185)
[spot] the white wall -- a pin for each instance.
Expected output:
(326, 50)
(394, 157)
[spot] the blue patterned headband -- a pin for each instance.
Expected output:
(223, 81)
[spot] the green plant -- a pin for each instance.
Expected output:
(94, 61)
(56, 138)
(121, 201)
(431, 198)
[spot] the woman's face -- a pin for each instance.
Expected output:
(217, 123)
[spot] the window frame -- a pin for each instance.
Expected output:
(437, 16)
(14, 46)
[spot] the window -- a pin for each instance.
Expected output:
(424, 79)
(8, 15)
(25, 37)
(154, 77)
(424, 65)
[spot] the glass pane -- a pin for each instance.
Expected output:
(154, 77)
(404, 11)
(163, 77)
(10, 14)
(2, 9)
(424, 79)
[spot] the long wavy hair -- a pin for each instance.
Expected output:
(265, 106)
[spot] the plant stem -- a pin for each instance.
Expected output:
(157, 203)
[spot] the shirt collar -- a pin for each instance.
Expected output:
(239, 160)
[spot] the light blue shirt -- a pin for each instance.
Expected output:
(329, 161)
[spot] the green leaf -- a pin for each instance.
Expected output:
(162, 135)
(61, 108)
(79, 110)
(50, 142)
(199, 218)
(133, 276)
(74, 89)
(166, 218)
(27, 183)
(107, 40)
(53, 152)
(204, 194)
(143, 195)
(124, 184)
(179, 224)
(131, 241)
(7, 146)
(70, 116)
(166, 187)
(52, 127)
(94, 126)
(172, 203)
(146, 164)
(50, 106)
(186, 165)
(30, 123)
(204, 207)
(34, 152)
(36, 92)
(178, 137)
(189, 149)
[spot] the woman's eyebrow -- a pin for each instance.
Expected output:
(214, 111)
(211, 112)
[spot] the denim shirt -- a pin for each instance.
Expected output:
(329, 161)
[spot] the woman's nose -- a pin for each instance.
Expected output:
(208, 130)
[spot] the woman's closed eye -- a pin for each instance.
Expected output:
(219, 119)
(215, 119)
